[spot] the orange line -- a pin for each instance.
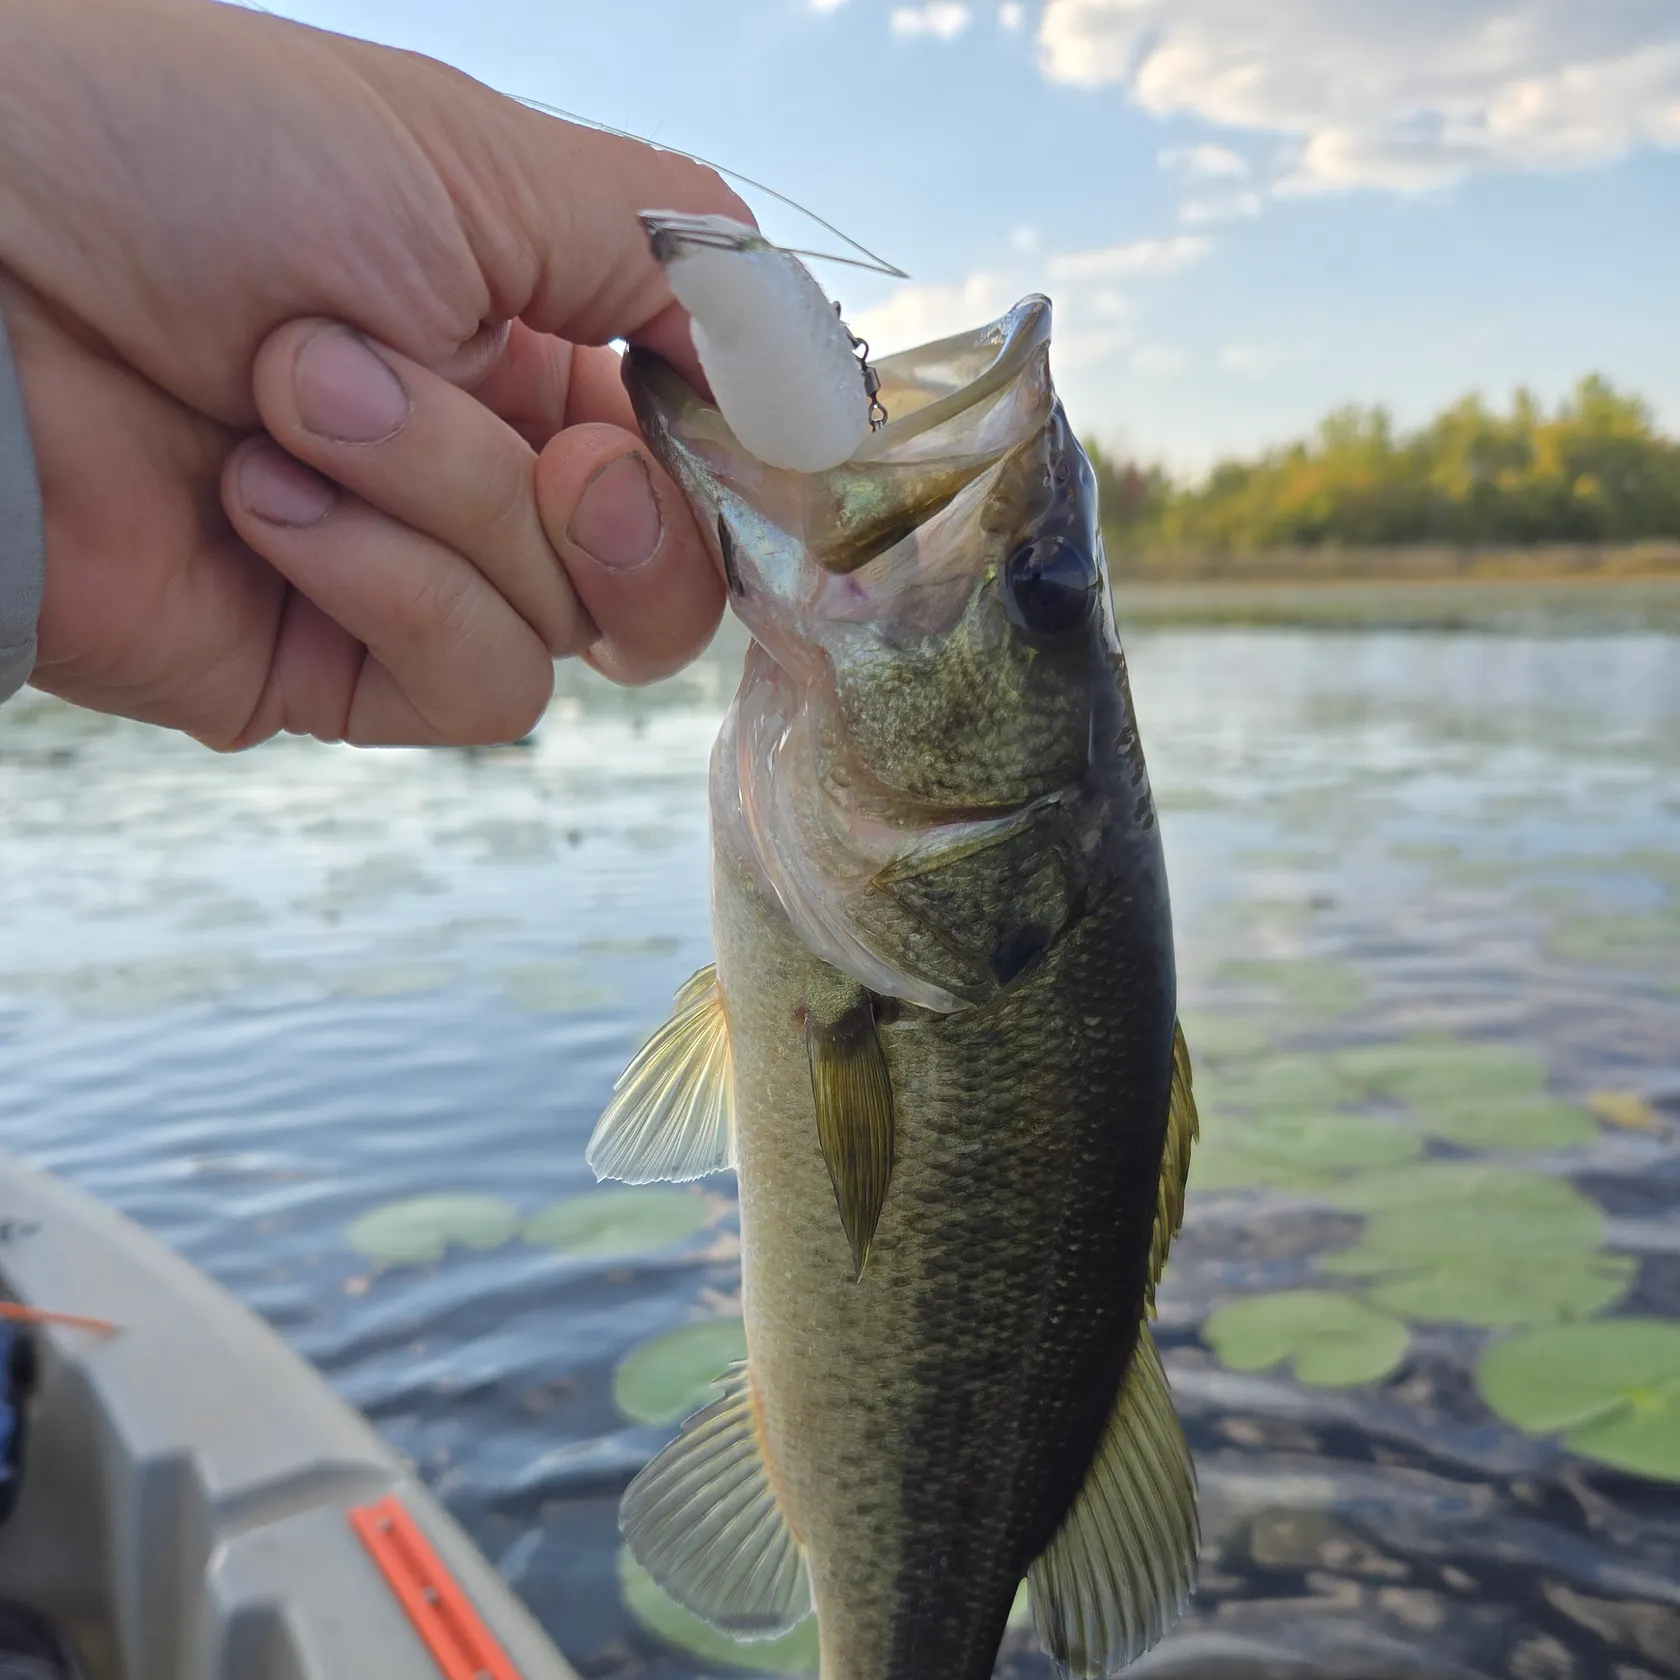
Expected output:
(443, 1616)
(17, 1313)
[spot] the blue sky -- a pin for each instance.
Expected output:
(1246, 211)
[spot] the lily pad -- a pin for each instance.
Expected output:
(1429, 1209)
(1306, 987)
(607, 1222)
(1304, 1153)
(1433, 1068)
(1329, 1340)
(1223, 1038)
(1496, 1290)
(1642, 944)
(662, 1381)
(420, 1230)
(647, 1601)
(1289, 1084)
(1626, 1110)
(1509, 1121)
(1611, 1389)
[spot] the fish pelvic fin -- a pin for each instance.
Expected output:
(1183, 1130)
(672, 1114)
(854, 1100)
(704, 1521)
(1121, 1568)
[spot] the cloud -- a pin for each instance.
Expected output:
(1139, 256)
(1404, 97)
(1094, 317)
(1220, 207)
(943, 20)
(1158, 361)
(825, 5)
(1011, 14)
(1205, 163)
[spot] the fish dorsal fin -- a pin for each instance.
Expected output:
(1183, 1129)
(672, 1115)
(853, 1093)
(1120, 1570)
(703, 1520)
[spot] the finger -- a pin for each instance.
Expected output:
(529, 385)
(424, 452)
(448, 657)
(631, 547)
(596, 392)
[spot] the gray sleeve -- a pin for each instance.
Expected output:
(22, 543)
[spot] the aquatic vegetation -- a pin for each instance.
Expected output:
(1507, 1121)
(421, 1229)
(618, 1222)
(1305, 1153)
(1498, 1289)
(1626, 1110)
(1647, 943)
(1327, 1339)
(665, 1379)
(1610, 1389)
(392, 980)
(1435, 1067)
(555, 988)
(1310, 988)
(792, 1653)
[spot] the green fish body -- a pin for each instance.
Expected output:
(939, 1048)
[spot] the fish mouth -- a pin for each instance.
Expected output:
(924, 390)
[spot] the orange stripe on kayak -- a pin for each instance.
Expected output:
(461, 1645)
(14, 1312)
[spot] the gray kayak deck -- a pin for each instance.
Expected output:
(188, 1481)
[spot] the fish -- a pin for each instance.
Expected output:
(938, 1046)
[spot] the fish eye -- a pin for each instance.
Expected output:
(1049, 587)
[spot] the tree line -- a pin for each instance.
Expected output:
(1595, 470)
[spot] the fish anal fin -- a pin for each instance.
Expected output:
(1121, 1568)
(852, 1089)
(672, 1114)
(1183, 1129)
(704, 1521)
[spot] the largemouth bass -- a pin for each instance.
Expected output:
(939, 1048)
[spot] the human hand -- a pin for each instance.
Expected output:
(214, 222)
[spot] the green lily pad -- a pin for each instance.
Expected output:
(1328, 1142)
(662, 1381)
(1496, 1290)
(647, 1601)
(1422, 1212)
(1435, 1068)
(1223, 1038)
(421, 1229)
(1611, 1389)
(1642, 944)
(1306, 987)
(1515, 1121)
(1289, 1084)
(634, 1221)
(1328, 1340)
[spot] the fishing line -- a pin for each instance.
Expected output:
(874, 265)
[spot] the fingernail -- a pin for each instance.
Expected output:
(283, 491)
(345, 392)
(617, 520)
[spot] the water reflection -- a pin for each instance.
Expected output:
(252, 1000)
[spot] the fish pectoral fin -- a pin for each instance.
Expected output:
(672, 1115)
(1121, 1568)
(1183, 1131)
(854, 1100)
(704, 1521)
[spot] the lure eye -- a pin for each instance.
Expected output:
(1049, 587)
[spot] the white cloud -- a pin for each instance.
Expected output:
(1139, 256)
(1221, 207)
(825, 5)
(1205, 163)
(1011, 15)
(918, 314)
(1252, 361)
(1023, 238)
(1404, 97)
(944, 20)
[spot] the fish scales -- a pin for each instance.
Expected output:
(939, 1047)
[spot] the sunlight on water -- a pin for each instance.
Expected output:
(1428, 900)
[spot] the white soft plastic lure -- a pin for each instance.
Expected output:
(781, 364)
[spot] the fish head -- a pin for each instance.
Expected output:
(925, 739)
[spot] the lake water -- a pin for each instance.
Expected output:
(250, 1001)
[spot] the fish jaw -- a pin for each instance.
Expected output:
(895, 723)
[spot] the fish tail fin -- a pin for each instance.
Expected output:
(672, 1115)
(704, 1521)
(1121, 1568)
